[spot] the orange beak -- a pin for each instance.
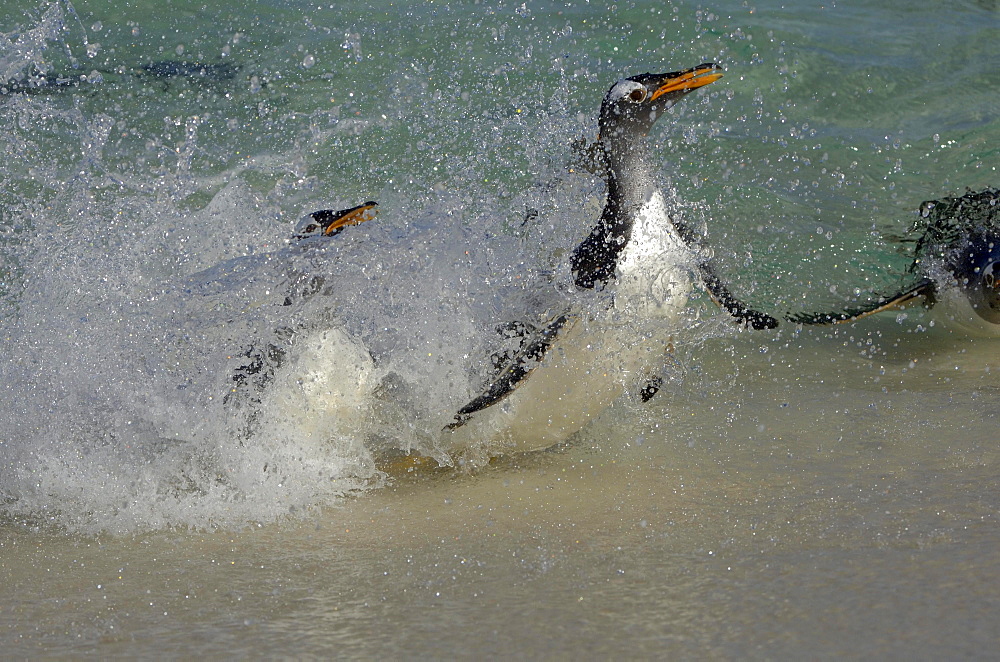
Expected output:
(688, 80)
(355, 216)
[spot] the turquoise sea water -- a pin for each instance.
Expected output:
(796, 493)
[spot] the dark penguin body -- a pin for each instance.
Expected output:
(956, 266)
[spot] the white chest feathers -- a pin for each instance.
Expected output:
(324, 388)
(655, 273)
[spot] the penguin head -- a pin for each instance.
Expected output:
(979, 276)
(963, 235)
(328, 223)
(632, 105)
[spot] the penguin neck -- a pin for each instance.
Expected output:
(631, 186)
(631, 183)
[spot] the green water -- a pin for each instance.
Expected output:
(790, 494)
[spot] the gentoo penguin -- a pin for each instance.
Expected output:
(956, 267)
(325, 384)
(572, 365)
(633, 272)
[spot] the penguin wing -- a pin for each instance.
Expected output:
(516, 370)
(925, 288)
(727, 301)
(718, 290)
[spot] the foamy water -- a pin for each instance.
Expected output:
(790, 493)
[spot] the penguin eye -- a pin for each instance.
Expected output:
(638, 94)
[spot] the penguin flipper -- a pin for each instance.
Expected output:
(924, 289)
(519, 333)
(718, 290)
(727, 301)
(516, 370)
(327, 222)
